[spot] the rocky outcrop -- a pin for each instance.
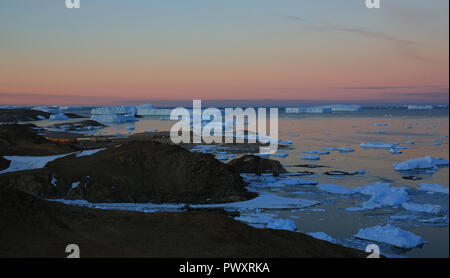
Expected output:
(141, 172)
(257, 165)
(4, 163)
(21, 115)
(18, 139)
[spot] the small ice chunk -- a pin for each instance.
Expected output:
(318, 152)
(75, 184)
(57, 117)
(310, 157)
(420, 163)
(334, 188)
(54, 181)
(280, 154)
(380, 124)
(391, 235)
(346, 150)
(378, 145)
(130, 128)
(395, 151)
(282, 224)
(360, 172)
(433, 188)
(40, 117)
(288, 142)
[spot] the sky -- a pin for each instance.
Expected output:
(135, 51)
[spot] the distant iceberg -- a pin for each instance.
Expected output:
(111, 110)
(420, 107)
(308, 110)
(150, 110)
(114, 118)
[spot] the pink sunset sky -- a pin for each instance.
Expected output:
(111, 52)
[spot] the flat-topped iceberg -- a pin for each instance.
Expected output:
(420, 107)
(420, 163)
(150, 110)
(391, 235)
(112, 110)
(426, 208)
(310, 157)
(308, 110)
(113, 118)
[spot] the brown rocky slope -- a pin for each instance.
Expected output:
(34, 228)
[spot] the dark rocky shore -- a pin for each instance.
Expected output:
(34, 228)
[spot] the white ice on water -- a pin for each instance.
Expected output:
(427, 162)
(391, 235)
(433, 188)
(334, 188)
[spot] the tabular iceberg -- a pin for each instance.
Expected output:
(420, 163)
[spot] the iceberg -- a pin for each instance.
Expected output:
(395, 151)
(334, 188)
(434, 188)
(420, 163)
(111, 110)
(113, 118)
(391, 235)
(149, 110)
(420, 107)
(308, 110)
(280, 154)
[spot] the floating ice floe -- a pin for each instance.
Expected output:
(322, 236)
(308, 110)
(282, 224)
(280, 154)
(332, 149)
(114, 110)
(375, 145)
(89, 152)
(130, 128)
(318, 152)
(40, 117)
(420, 163)
(436, 220)
(334, 188)
(346, 150)
(391, 235)
(292, 182)
(434, 188)
(382, 194)
(426, 208)
(264, 201)
(57, 117)
(395, 151)
(360, 172)
(21, 163)
(310, 157)
(113, 118)
(288, 142)
(380, 124)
